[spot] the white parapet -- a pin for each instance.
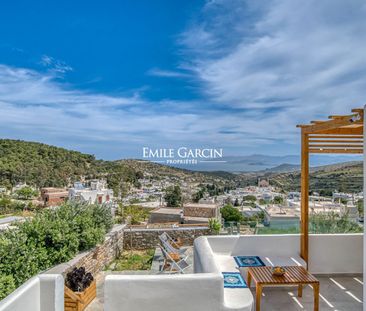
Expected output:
(43, 292)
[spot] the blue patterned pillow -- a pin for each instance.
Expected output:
(233, 280)
(249, 261)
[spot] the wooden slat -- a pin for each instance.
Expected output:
(343, 146)
(293, 276)
(343, 131)
(334, 141)
(357, 110)
(337, 116)
(312, 136)
(339, 151)
(317, 121)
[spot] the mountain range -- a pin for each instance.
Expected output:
(260, 162)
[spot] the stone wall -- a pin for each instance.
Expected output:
(171, 215)
(121, 238)
(96, 259)
(139, 239)
(201, 210)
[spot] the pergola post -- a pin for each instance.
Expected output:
(340, 134)
(304, 248)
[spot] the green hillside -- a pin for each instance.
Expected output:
(43, 165)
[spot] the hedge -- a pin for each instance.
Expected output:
(51, 237)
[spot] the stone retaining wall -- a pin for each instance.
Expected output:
(149, 238)
(96, 259)
(121, 238)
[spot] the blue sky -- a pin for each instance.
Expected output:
(110, 77)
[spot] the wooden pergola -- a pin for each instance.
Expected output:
(339, 134)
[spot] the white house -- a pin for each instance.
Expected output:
(96, 193)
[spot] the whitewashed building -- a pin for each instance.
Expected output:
(96, 193)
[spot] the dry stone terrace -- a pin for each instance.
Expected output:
(124, 238)
(136, 238)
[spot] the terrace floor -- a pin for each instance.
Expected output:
(338, 293)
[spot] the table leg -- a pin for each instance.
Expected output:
(258, 297)
(249, 279)
(316, 296)
(299, 290)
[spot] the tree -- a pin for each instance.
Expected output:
(230, 213)
(344, 201)
(277, 199)
(263, 202)
(173, 196)
(333, 223)
(198, 195)
(26, 193)
(360, 207)
(250, 198)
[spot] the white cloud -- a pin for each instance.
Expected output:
(305, 57)
(35, 106)
(55, 64)
(168, 73)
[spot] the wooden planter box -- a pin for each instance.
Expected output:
(78, 301)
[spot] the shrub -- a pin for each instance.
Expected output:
(250, 198)
(7, 285)
(26, 193)
(135, 213)
(173, 196)
(230, 213)
(51, 237)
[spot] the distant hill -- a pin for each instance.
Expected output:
(283, 168)
(344, 177)
(261, 162)
(42, 165)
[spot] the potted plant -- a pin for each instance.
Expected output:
(80, 289)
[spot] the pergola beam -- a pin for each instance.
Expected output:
(329, 125)
(343, 131)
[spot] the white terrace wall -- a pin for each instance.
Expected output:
(40, 293)
(328, 253)
(336, 253)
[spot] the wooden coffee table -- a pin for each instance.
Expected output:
(263, 276)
